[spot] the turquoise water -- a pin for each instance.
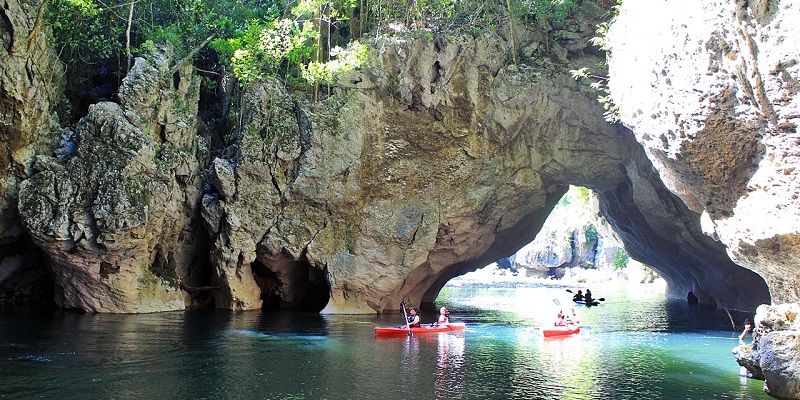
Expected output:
(636, 345)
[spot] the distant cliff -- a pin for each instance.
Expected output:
(573, 236)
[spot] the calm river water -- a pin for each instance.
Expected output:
(637, 345)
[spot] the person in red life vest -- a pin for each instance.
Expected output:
(559, 319)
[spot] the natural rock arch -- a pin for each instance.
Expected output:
(433, 160)
(408, 181)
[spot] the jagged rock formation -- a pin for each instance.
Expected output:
(435, 159)
(30, 80)
(115, 218)
(773, 355)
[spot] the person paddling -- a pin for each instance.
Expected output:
(587, 298)
(413, 318)
(748, 326)
(578, 296)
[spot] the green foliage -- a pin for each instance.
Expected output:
(621, 259)
(305, 42)
(82, 30)
(600, 83)
(343, 60)
(92, 31)
(555, 10)
(591, 234)
(578, 195)
(263, 48)
(583, 195)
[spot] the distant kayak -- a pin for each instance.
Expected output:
(564, 330)
(402, 330)
(592, 303)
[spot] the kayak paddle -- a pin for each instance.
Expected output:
(403, 306)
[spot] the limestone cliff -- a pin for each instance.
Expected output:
(30, 90)
(431, 161)
(438, 156)
(115, 218)
(710, 89)
(435, 158)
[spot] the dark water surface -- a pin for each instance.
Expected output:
(636, 345)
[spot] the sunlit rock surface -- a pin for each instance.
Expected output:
(573, 236)
(773, 355)
(710, 90)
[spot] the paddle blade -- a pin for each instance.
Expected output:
(601, 299)
(570, 291)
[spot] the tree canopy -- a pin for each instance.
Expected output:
(303, 41)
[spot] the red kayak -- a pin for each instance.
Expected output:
(563, 330)
(402, 330)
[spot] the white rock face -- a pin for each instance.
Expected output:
(773, 355)
(710, 90)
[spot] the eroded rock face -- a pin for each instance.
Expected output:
(773, 355)
(434, 159)
(114, 218)
(30, 87)
(710, 89)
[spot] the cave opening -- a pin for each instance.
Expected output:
(574, 242)
(597, 237)
(287, 283)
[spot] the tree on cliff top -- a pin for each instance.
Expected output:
(289, 39)
(306, 44)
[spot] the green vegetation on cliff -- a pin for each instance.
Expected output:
(304, 42)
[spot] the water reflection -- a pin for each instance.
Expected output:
(449, 383)
(410, 361)
(645, 348)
